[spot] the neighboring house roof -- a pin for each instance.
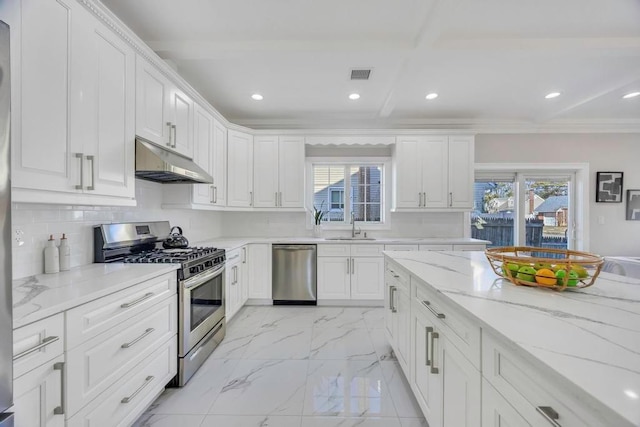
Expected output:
(500, 204)
(553, 204)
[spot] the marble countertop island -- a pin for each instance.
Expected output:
(43, 295)
(588, 339)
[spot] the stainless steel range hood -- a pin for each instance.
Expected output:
(154, 163)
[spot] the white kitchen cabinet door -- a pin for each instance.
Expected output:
(334, 278)
(389, 283)
(233, 293)
(461, 383)
(219, 165)
(259, 277)
(265, 171)
(497, 412)
(103, 114)
(153, 120)
(244, 275)
(291, 172)
(42, 151)
(240, 169)
(407, 172)
(461, 171)
(204, 146)
(367, 278)
(434, 171)
(427, 388)
(37, 395)
(402, 326)
(181, 108)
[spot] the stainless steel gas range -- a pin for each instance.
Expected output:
(201, 319)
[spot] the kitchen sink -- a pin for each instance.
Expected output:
(349, 238)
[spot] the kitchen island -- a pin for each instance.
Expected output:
(524, 356)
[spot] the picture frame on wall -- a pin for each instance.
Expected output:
(633, 205)
(609, 187)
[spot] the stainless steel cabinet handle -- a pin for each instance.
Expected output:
(137, 301)
(549, 414)
(144, 334)
(235, 274)
(215, 194)
(244, 255)
(280, 194)
(391, 298)
(419, 200)
(211, 194)
(59, 366)
(434, 336)
(428, 330)
(175, 136)
(424, 200)
(353, 266)
(170, 143)
(45, 342)
(81, 157)
(435, 313)
(348, 266)
(251, 198)
(233, 257)
(450, 199)
(147, 381)
(91, 159)
(394, 309)
(276, 193)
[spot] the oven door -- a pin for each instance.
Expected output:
(201, 307)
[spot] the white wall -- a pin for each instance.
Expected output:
(38, 221)
(603, 152)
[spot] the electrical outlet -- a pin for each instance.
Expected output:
(19, 235)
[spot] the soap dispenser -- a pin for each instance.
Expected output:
(65, 253)
(51, 256)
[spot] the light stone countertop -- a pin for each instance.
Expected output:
(233, 243)
(43, 295)
(588, 340)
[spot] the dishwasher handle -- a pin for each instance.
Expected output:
(295, 248)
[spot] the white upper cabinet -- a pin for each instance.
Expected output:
(434, 172)
(73, 118)
(239, 169)
(203, 138)
(219, 164)
(278, 171)
(164, 114)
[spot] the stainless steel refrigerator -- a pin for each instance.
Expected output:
(6, 320)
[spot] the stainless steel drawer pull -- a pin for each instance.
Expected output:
(45, 342)
(138, 301)
(434, 336)
(450, 199)
(170, 143)
(428, 330)
(147, 381)
(59, 366)
(91, 159)
(81, 157)
(129, 344)
(435, 313)
(549, 414)
(394, 309)
(175, 136)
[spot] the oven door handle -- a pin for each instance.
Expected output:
(202, 278)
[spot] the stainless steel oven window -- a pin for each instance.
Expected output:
(206, 299)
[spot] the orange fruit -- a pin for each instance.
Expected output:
(545, 276)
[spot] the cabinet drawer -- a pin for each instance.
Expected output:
(396, 276)
(123, 402)
(401, 247)
(469, 247)
(101, 361)
(46, 340)
(334, 250)
(459, 329)
(234, 255)
(367, 250)
(527, 389)
(88, 320)
(436, 247)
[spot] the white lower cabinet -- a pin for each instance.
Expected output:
(37, 395)
(358, 273)
(496, 411)
(398, 314)
(259, 270)
(236, 286)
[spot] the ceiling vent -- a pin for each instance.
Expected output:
(360, 74)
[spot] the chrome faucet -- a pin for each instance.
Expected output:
(354, 233)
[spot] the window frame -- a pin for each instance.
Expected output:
(385, 190)
(578, 237)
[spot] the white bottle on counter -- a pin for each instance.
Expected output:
(65, 253)
(51, 256)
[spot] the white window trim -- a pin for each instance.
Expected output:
(386, 190)
(578, 195)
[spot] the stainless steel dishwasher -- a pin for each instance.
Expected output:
(294, 274)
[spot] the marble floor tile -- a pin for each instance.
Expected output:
(403, 399)
(250, 421)
(249, 316)
(347, 388)
(158, 420)
(199, 393)
(234, 344)
(339, 317)
(280, 343)
(285, 316)
(381, 345)
(263, 387)
(342, 343)
(349, 422)
(373, 317)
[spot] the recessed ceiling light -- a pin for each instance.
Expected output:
(552, 95)
(431, 96)
(354, 96)
(632, 394)
(631, 95)
(257, 97)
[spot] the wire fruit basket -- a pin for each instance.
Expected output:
(558, 269)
